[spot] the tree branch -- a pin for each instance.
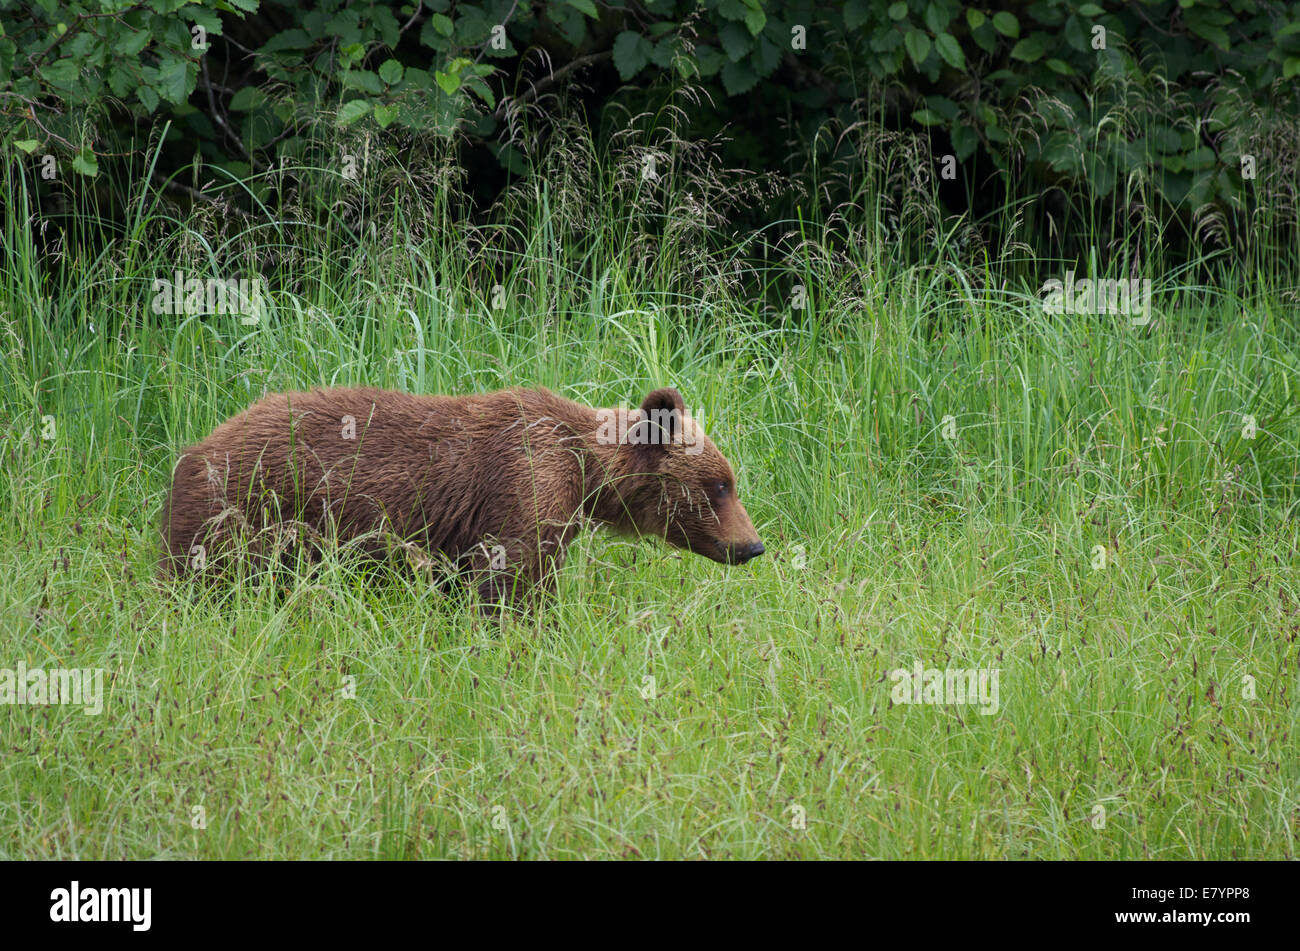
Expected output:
(542, 85)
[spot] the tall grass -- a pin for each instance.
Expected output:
(942, 472)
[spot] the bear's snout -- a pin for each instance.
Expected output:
(739, 553)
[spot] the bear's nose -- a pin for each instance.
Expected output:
(742, 553)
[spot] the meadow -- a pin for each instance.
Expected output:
(1100, 507)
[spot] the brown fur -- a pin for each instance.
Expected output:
(450, 478)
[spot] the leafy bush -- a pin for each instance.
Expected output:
(1184, 112)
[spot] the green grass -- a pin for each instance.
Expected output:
(1147, 706)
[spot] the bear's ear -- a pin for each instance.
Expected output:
(661, 417)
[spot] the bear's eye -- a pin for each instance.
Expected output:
(722, 489)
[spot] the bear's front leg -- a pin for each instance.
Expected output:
(502, 574)
(519, 574)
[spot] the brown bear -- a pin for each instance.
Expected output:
(493, 487)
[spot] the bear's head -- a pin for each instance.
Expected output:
(679, 487)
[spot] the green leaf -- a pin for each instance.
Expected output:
(148, 98)
(964, 141)
(950, 50)
(176, 78)
(61, 74)
(708, 59)
(944, 106)
(857, 13)
(247, 98)
(391, 72)
(85, 163)
(510, 158)
(738, 78)
(631, 54)
(447, 82)
(736, 41)
(353, 110)
(766, 58)
(927, 117)
(755, 20)
(975, 18)
(1200, 159)
(918, 46)
(385, 113)
(287, 40)
(1164, 139)
(352, 53)
(1291, 67)
(442, 24)
(664, 51)
(936, 18)
(204, 18)
(1006, 24)
(1208, 31)
(1077, 35)
(1028, 50)
(133, 42)
(481, 89)
(897, 11)
(364, 80)
(585, 7)
(27, 145)
(1091, 10)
